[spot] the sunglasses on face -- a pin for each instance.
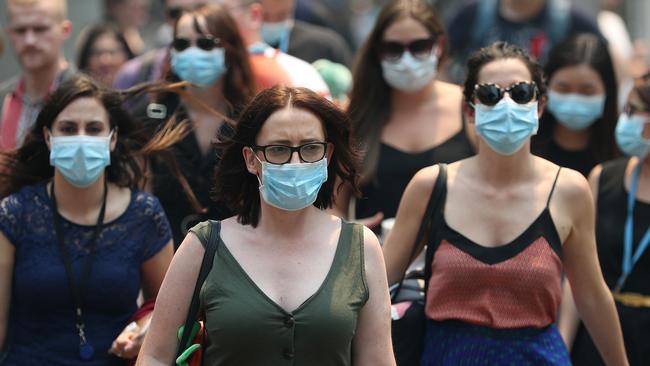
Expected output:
(207, 43)
(419, 48)
(489, 94)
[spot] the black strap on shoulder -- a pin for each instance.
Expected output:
(206, 267)
(557, 175)
(432, 245)
(432, 207)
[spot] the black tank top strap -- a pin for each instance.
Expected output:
(550, 195)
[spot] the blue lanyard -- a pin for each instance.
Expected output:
(628, 260)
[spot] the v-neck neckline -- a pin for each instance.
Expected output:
(310, 298)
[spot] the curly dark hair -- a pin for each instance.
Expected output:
(236, 186)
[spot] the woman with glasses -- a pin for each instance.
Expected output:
(290, 284)
(404, 117)
(79, 239)
(509, 226)
(577, 128)
(621, 189)
(207, 52)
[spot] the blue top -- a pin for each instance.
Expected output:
(42, 320)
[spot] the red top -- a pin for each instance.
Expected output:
(510, 286)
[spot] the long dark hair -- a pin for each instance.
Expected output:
(89, 37)
(235, 185)
(238, 81)
(370, 102)
(590, 50)
(30, 163)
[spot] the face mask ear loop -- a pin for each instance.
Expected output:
(262, 164)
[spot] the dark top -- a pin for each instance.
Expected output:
(42, 320)
(198, 169)
(246, 327)
(396, 168)
(537, 35)
(312, 42)
(580, 160)
(610, 222)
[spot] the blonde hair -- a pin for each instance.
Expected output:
(60, 6)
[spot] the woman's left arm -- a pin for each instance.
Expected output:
(372, 345)
(593, 299)
(128, 343)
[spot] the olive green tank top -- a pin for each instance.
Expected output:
(246, 328)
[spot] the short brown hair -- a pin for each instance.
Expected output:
(236, 186)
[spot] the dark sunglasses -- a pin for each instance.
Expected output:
(419, 48)
(521, 93)
(206, 43)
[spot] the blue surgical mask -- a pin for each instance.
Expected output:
(292, 186)
(629, 135)
(200, 67)
(277, 32)
(410, 74)
(81, 159)
(575, 111)
(506, 125)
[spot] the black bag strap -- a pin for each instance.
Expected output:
(432, 208)
(438, 214)
(206, 267)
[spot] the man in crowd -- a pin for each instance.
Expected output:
(297, 38)
(36, 30)
(535, 25)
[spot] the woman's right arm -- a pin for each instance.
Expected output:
(399, 243)
(172, 304)
(7, 257)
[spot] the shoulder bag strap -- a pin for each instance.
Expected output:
(434, 202)
(206, 267)
(441, 187)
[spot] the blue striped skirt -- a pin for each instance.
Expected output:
(456, 343)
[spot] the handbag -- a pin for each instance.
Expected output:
(408, 296)
(191, 343)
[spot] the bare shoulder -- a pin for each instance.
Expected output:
(424, 179)
(594, 176)
(371, 247)
(448, 91)
(573, 191)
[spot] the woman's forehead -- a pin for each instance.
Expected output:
(504, 72)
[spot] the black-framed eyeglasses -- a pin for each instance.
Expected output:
(419, 48)
(281, 154)
(204, 42)
(490, 94)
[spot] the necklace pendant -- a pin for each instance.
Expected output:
(86, 351)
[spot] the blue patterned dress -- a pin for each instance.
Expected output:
(42, 320)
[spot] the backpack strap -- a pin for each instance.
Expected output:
(206, 267)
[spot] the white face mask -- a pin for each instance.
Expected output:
(410, 74)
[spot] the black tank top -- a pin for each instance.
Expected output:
(396, 168)
(610, 221)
